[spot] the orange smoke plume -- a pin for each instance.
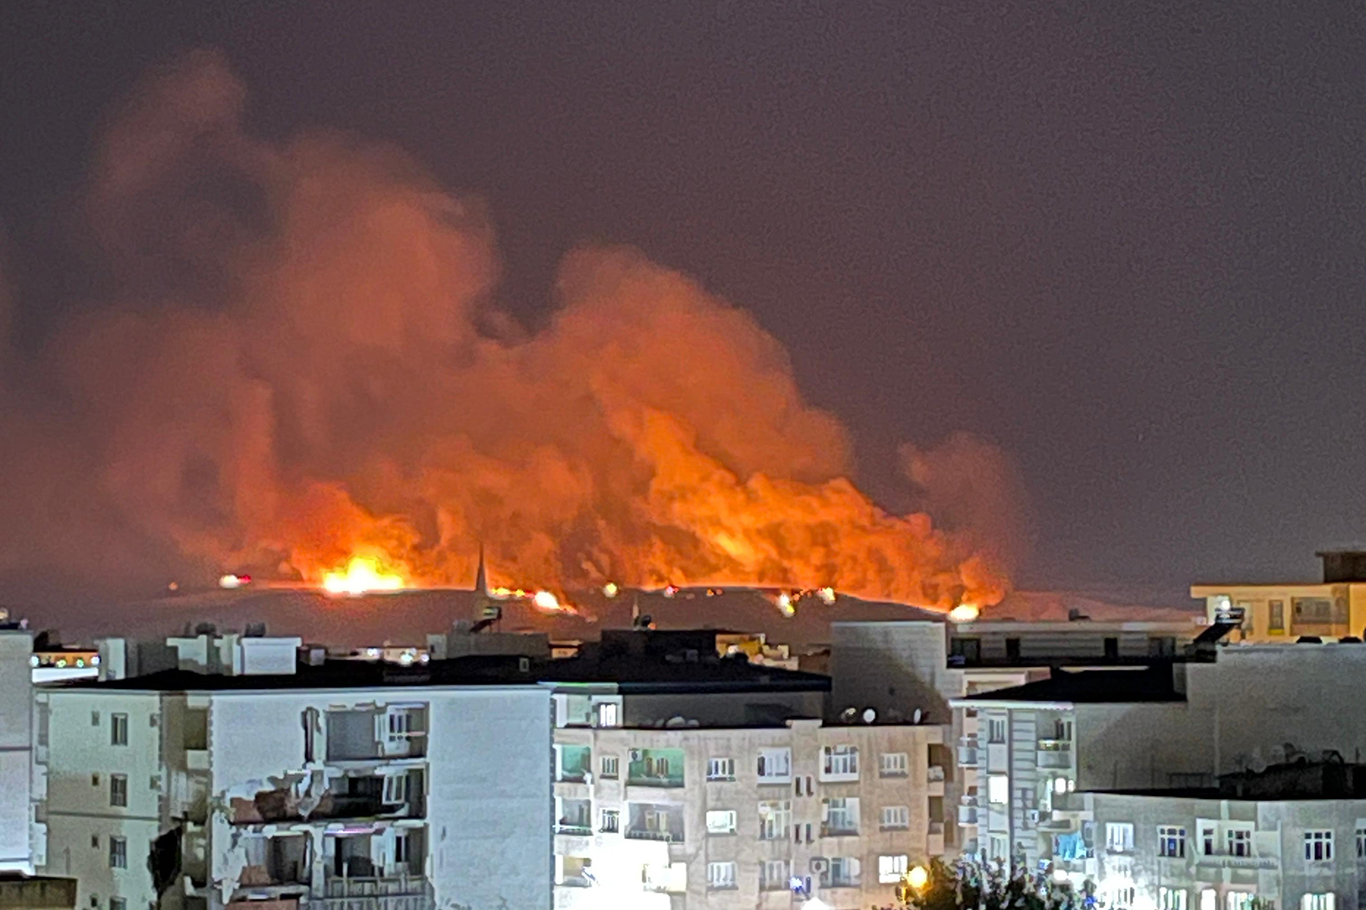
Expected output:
(303, 363)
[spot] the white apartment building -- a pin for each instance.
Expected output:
(1285, 842)
(352, 787)
(713, 783)
(22, 839)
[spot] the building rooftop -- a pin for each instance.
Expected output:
(1150, 684)
(1304, 778)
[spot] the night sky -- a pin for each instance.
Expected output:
(1121, 240)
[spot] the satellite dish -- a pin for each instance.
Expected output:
(869, 715)
(848, 714)
(915, 717)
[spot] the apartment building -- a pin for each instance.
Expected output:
(331, 787)
(683, 779)
(22, 838)
(1335, 607)
(1291, 836)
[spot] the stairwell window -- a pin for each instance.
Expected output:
(1171, 842)
(608, 714)
(1361, 840)
(720, 876)
(118, 729)
(893, 764)
(609, 821)
(1119, 837)
(996, 730)
(1318, 846)
(611, 766)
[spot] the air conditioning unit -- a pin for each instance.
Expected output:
(820, 865)
(637, 754)
(1033, 816)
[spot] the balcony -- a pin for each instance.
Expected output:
(574, 817)
(654, 821)
(1225, 861)
(969, 753)
(575, 763)
(655, 768)
(967, 815)
(345, 797)
(376, 734)
(406, 891)
(1054, 753)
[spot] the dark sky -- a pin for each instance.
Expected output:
(1123, 240)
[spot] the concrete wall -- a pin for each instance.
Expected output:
(892, 666)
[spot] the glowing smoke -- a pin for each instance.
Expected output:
(302, 361)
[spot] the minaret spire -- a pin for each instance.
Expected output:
(481, 580)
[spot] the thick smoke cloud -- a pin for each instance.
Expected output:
(303, 359)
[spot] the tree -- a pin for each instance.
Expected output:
(968, 885)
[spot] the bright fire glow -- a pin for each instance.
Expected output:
(609, 590)
(827, 595)
(546, 600)
(918, 877)
(361, 576)
(230, 582)
(963, 613)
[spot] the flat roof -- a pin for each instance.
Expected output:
(1152, 684)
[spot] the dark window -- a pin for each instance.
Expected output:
(969, 649)
(1159, 646)
(1013, 648)
(1111, 648)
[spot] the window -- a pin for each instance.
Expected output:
(1361, 840)
(1119, 837)
(1276, 621)
(895, 818)
(1012, 649)
(1111, 653)
(774, 875)
(839, 816)
(1208, 899)
(1207, 840)
(1313, 610)
(996, 729)
(839, 762)
(1171, 841)
(723, 768)
(968, 650)
(893, 764)
(721, 821)
(403, 847)
(118, 903)
(1318, 901)
(608, 713)
(611, 766)
(609, 821)
(1318, 846)
(118, 789)
(775, 766)
(1122, 897)
(720, 875)
(95, 779)
(94, 718)
(1062, 729)
(395, 789)
(118, 853)
(1238, 900)
(774, 818)
(891, 868)
(1171, 899)
(841, 872)
(1239, 841)
(998, 789)
(118, 729)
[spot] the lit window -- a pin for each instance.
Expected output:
(1238, 900)
(118, 729)
(1119, 837)
(1171, 841)
(893, 764)
(998, 789)
(1209, 900)
(1171, 899)
(891, 868)
(774, 819)
(721, 769)
(895, 818)
(1318, 846)
(721, 821)
(839, 816)
(1122, 898)
(1321, 901)
(608, 714)
(720, 875)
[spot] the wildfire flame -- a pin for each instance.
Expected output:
(362, 575)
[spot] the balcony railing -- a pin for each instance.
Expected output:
(935, 773)
(969, 753)
(579, 830)
(404, 891)
(671, 837)
(967, 816)
(839, 829)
